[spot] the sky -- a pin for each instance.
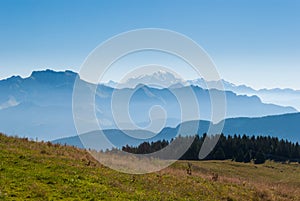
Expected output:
(251, 42)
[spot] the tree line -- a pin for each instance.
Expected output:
(237, 148)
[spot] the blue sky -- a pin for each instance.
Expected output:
(252, 42)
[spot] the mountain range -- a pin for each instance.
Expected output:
(278, 96)
(40, 106)
(281, 126)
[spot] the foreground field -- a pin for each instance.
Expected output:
(42, 171)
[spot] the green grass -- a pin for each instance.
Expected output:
(42, 171)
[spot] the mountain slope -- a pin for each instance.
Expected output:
(281, 126)
(284, 97)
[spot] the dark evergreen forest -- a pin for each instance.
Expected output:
(237, 148)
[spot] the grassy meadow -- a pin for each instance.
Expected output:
(42, 171)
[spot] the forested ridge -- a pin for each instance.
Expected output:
(237, 148)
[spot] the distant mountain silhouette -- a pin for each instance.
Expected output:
(283, 97)
(281, 126)
(41, 105)
(158, 79)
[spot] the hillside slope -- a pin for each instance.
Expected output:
(43, 171)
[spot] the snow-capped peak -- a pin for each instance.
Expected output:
(157, 79)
